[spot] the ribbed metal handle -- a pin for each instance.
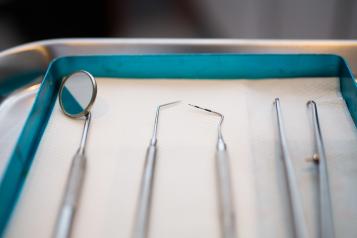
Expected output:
(226, 207)
(144, 202)
(70, 198)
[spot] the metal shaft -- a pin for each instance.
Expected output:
(71, 196)
(224, 186)
(326, 215)
(144, 202)
(225, 195)
(294, 193)
(141, 226)
(83, 143)
(65, 218)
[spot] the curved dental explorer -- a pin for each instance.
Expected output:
(141, 225)
(319, 157)
(225, 194)
(294, 193)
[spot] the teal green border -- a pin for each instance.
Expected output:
(177, 66)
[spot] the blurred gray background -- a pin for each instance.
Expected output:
(30, 20)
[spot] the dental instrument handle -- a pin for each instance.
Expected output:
(297, 208)
(227, 217)
(145, 196)
(326, 215)
(71, 196)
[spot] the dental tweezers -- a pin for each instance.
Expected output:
(294, 193)
(319, 157)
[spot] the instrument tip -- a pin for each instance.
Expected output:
(170, 103)
(311, 102)
(193, 105)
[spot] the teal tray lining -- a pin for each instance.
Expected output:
(175, 66)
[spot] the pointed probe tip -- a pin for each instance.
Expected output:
(310, 102)
(192, 105)
(170, 103)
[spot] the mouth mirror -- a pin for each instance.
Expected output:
(77, 94)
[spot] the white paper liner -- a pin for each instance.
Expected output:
(185, 199)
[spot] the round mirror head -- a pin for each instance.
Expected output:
(77, 94)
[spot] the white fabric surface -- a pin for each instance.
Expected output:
(184, 203)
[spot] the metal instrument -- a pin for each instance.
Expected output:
(294, 193)
(76, 96)
(141, 226)
(319, 157)
(225, 193)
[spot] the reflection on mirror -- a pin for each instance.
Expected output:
(77, 94)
